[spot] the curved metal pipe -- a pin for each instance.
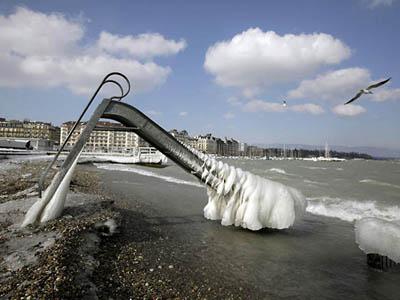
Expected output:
(103, 82)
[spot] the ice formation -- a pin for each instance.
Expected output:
(374, 235)
(240, 198)
(45, 209)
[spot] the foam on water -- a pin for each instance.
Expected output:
(350, 210)
(124, 168)
(376, 182)
(314, 168)
(374, 235)
(314, 182)
(277, 170)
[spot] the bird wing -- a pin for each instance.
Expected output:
(354, 98)
(372, 86)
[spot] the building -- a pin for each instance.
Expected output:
(242, 148)
(221, 147)
(232, 147)
(207, 144)
(107, 137)
(28, 130)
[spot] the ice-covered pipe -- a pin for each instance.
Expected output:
(254, 202)
(46, 208)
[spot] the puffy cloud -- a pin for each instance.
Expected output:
(254, 59)
(339, 85)
(45, 50)
(349, 110)
(308, 107)
(229, 115)
(144, 45)
(27, 33)
(260, 105)
(385, 94)
(183, 113)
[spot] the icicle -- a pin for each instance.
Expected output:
(45, 209)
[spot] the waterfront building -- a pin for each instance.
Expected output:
(242, 148)
(107, 137)
(232, 147)
(207, 144)
(29, 130)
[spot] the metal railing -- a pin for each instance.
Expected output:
(118, 98)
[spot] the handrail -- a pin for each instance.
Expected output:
(119, 98)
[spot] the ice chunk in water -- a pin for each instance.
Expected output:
(375, 235)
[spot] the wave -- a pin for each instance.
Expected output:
(381, 183)
(315, 182)
(277, 170)
(123, 168)
(350, 210)
(315, 168)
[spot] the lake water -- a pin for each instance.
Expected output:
(315, 259)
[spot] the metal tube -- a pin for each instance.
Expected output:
(104, 81)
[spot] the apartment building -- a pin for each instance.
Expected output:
(108, 137)
(27, 129)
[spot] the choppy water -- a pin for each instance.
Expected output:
(317, 258)
(346, 190)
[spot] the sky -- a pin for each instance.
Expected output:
(212, 66)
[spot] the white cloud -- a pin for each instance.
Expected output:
(46, 50)
(145, 45)
(229, 115)
(386, 94)
(260, 105)
(375, 3)
(337, 86)
(254, 59)
(341, 85)
(28, 33)
(349, 110)
(307, 107)
(183, 113)
(264, 106)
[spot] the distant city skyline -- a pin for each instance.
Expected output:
(221, 67)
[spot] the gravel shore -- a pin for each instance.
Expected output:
(76, 257)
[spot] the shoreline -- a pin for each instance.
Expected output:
(165, 248)
(71, 258)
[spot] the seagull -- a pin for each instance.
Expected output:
(367, 90)
(284, 104)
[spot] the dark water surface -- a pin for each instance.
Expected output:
(316, 259)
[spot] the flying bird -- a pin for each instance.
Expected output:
(284, 104)
(367, 90)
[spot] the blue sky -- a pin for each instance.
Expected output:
(212, 66)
